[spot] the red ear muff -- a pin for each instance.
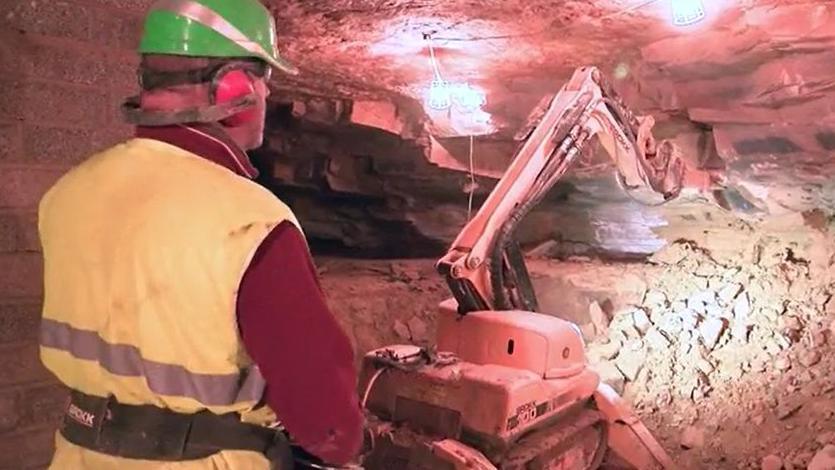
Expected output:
(230, 86)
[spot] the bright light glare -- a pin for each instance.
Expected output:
(439, 95)
(467, 97)
(442, 95)
(687, 12)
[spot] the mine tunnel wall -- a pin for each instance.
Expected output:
(64, 69)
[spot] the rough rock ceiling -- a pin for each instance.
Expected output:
(749, 89)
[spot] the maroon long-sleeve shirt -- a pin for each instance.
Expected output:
(285, 323)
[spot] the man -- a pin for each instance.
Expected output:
(181, 304)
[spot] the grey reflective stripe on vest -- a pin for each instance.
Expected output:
(163, 379)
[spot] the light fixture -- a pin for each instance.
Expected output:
(442, 94)
(467, 97)
(439, 97)
(687, 12)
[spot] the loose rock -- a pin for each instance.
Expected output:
(783, 364)
(788, 408)
(417, 327)
(801, 459)
(689, 319)
(642, 323)
(589, 331)
(809, 357)
(741, 311)
(729, 293)
(402, 330)
(655, 298)
(608, 350)
(772, 462)
(599, 319)
(823, 460)
(656, 339)
(742, 308)
(705, 366)
(695, 303)
(826, 438)
(713, 310)
(630, 363)
(692, 438)
(790, 323)
(711, 330)
(610, 374)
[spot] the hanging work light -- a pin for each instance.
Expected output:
(687, 12)
(439, 97)
(467, 97)
(442, 94)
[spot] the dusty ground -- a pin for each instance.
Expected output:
(729, 359)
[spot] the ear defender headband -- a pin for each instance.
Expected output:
(232, 95)
(230, 84)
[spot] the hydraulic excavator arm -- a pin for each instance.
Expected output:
(484, 267)
(527, 370)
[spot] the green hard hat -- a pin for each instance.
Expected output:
(213, 28)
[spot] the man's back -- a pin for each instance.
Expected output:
(142, 268)
(177, 289)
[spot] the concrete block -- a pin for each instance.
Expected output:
(66, 105)
(11, 99)
(21, 276)
(32, 406)
(21, 364)
(824, 459)
(20, 321)
(24, 187)
(121, 72)
(138, 7)
(18, 232)
(10, 142)
(117, 125)
(115, 134)
(58, 145)
(67, 62)
(16, 52)
(121, 31)
(32, 449)
(52, 18)
(8, 233)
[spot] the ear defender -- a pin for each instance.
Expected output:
(232, 85)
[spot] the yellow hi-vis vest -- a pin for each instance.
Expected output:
(144, 246)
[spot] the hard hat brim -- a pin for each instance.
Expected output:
(281, 64)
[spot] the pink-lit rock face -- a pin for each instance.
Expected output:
(749, 89)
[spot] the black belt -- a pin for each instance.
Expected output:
(151, 433)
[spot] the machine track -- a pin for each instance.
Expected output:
(577, 443)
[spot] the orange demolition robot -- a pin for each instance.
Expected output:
(508, 388)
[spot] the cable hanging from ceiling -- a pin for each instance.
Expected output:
(443, 94)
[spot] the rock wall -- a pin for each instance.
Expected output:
(64, 69)
(369, 177)
(760, 79)
(749, 92)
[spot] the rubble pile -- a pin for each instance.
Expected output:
(383, 302)
(725, 353)
(717, 346)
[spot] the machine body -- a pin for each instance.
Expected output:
(507, 387)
